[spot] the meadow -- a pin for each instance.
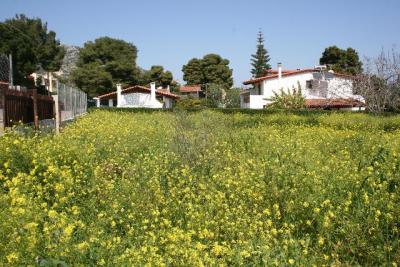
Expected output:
(203, 188)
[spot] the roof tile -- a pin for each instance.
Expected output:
(190, 88)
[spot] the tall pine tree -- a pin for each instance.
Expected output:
(260, 60)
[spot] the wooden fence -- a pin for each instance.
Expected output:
(24, 106)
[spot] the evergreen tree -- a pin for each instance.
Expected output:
(260, 60)
(212, 68)
(104, 63)
(32, 45)
(156, 74)
(341, 60)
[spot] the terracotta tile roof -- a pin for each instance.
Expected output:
(163, 90)
(272, 74)
(190, 89)
(138, 88)
(334, 103)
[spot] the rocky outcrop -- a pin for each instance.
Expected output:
(70, 60)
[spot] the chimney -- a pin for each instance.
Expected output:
(279, 75)
(97, 101)
(119, 95)
(168, 89)
(153, 91)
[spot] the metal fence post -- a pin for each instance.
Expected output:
(57, 113)
(35, 109)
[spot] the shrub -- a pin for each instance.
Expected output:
(292, 99)
(211, 187)
(232, 99)
(189, 103)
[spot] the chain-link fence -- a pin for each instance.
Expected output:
(4, 68)
(72, 102)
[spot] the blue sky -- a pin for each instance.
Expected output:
(169, 33)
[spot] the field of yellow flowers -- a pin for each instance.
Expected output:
(203, 188)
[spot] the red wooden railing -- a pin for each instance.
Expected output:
(24, 106)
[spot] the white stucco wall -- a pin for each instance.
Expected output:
(168, 102)
(258, 101)
(341, 88)
(138, 100)
(288, 82)
(337, 87)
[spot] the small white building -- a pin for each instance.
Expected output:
(321, 88)
(138, 97)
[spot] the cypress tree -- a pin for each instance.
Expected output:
(260, 60)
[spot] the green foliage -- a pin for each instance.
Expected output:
(215, 95)
(211, 69)
(31, 45)
(174, 87)
(218, 96)
(93, 79)
(51, 263)
(342, 61)
(232, 98)
(292, 99)
(193, 72)
(50, 53)
(259, 61)
(136, 188)
(104, 63)
(158, 75)
(190, 103)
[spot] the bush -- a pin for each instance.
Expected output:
(220, 97)
(292, 99)
(232, 99)
(189, 103)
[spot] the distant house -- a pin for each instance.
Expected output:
(321, 88)
(138, 97)
(50, 79)
(192, 91)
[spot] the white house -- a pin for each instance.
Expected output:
(321, 88)
(51, 79)
(138, 97)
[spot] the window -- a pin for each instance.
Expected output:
(309, 84)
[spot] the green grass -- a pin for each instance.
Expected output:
(206, 187)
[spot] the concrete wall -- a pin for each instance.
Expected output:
(136, 100)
